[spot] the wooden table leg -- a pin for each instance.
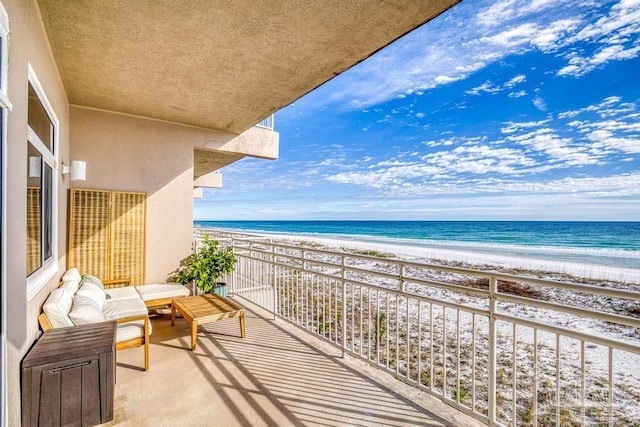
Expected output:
(194, 334)
(242, 324)
(173, 314)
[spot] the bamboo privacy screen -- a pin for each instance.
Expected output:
(34, 220)
(107, 234)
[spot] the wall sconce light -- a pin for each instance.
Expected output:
(35, 166)
(77, 171)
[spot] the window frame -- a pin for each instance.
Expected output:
(4, 59)
(5, 107)
(39, 278)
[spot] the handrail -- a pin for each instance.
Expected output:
(504, 358)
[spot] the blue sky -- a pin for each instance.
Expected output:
(495, 110)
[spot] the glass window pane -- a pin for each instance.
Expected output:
(39, 120)
(34, 210)
(1, 65)
(47, 226)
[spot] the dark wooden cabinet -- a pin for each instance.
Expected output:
(68, 377)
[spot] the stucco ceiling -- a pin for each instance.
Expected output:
(217, 64)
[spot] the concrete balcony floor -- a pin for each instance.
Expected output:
(277, 375)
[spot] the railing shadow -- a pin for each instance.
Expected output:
(274, 377)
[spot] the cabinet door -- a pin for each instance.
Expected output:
(66, 393)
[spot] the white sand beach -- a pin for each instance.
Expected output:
(590, 271)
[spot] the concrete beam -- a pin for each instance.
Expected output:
(210, 180)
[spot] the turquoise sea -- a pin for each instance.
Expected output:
(615, 244)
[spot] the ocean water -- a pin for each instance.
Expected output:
(613, 244)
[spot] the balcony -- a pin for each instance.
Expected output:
(337, 338)
(504, 349)
(277, 375)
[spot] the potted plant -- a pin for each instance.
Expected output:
(206, 266)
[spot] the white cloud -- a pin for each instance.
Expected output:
(449, 49)
(512, 127)
(539, 103)
(579, 66)
(518, 94)
(420, 180)
(486, 87)
(559, 152)
(520, 78)
(489, 87)
(612, 33)
(505, 10)
(606, 139)
(609, 107)
(625, 16)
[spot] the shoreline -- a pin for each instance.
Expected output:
(472, 258)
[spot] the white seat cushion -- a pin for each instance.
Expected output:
(85, 310)
(130, 330)
(126, 292)
(57, 308)
(118, 309)
(162, 290)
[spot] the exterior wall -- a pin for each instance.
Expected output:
(130, 153)
(27, 45)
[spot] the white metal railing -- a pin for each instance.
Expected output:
(506, 349)
(267, 123)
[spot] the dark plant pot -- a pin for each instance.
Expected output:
(220, 289)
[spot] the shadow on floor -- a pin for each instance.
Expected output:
(272, 377)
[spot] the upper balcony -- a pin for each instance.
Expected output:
(267, 123)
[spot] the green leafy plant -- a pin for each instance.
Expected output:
(207, 265)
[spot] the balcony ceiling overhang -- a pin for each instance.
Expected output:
(222, 65)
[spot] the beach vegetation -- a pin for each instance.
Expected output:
(207, 265)
(374, 253)
(460, 393)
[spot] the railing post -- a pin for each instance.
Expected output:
(493, 336)
(344, 308)
(272, 261)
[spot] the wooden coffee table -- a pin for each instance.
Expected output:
(202, 309)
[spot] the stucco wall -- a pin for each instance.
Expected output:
(27, 45)
(129, 153)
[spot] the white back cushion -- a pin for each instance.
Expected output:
(57, 308)
(91, 290)
(92, 279)
(71, 280)
(85, 310)
(72, 273)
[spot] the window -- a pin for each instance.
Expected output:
(41, 212)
